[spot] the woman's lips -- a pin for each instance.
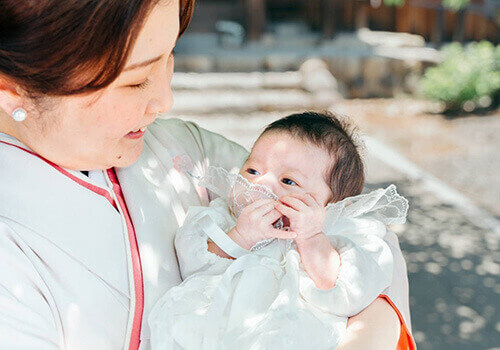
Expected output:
(136, 134)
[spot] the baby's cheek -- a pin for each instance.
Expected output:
(297, 190)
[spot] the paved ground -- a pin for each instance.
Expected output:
(453, 258)
(461, 151)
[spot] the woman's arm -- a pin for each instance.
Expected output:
(388, 316)
(376, 328)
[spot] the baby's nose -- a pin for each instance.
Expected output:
(269, 181)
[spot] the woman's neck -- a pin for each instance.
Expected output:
(6, 126)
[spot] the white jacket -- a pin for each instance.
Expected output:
(70, 274)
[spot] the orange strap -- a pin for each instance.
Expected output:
(406, 341)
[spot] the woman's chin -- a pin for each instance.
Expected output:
(129, 157)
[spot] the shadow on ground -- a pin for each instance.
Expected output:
(454, 274)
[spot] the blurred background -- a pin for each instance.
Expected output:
(421, 80)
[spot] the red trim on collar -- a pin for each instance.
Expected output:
(135, 336)
(93, 188)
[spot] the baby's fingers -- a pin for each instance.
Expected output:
(271, 217)
(262, 210)
(293, 202)
(281, 234)
(259, 203)
(285, 210)
(309, 199)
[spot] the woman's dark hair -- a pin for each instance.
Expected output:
(346, 176)
(45, 45)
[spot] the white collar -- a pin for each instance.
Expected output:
(96, 177)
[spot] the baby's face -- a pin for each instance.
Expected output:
(288, 166)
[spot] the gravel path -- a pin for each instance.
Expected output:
(462, 152)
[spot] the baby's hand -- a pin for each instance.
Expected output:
(305, 214)
(255, 224)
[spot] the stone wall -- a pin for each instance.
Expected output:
(365, 64)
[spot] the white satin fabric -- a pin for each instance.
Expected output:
(264, 299)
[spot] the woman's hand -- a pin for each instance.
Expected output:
(255, 224)
(305, 214)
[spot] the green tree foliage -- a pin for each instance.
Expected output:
(394, 2)
(453, 5)
(468, 76)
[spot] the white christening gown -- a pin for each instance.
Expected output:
(264, 299)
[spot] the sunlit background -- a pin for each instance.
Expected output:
(421, 80)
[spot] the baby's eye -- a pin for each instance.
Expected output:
(252, 171)
(289, 182)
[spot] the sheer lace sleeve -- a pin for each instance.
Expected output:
(356, 227)
(384, 205)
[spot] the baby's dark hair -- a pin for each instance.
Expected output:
(346, 175)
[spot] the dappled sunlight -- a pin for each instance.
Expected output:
(141, 211)
(73, 316)
(149, 173)
(200, 312)
(150, 264)
(18, 291)
(253, 321)
(179, 181)
(454, 274)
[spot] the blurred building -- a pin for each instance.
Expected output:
(478, 20)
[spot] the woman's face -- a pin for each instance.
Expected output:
(106, 128)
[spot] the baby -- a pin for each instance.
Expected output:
(287, 252)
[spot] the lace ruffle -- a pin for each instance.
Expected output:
(236, 190)
(385, 205)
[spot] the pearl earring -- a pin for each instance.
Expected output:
(19, 114)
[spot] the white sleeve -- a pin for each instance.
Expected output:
(26, 318)
(191, 241)
(365, 270)
(218, 150)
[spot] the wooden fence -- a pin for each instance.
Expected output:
(478, 21)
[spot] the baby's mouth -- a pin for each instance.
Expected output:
(284, 220)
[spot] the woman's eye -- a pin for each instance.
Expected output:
(289, 182)
(252, 171)
(142, 85)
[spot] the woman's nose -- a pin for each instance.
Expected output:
(162, 101)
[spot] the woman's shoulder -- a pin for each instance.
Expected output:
(178, 136)
(169, 123)
(176, 128)
(184, 138)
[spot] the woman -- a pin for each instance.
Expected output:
(89, 192)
